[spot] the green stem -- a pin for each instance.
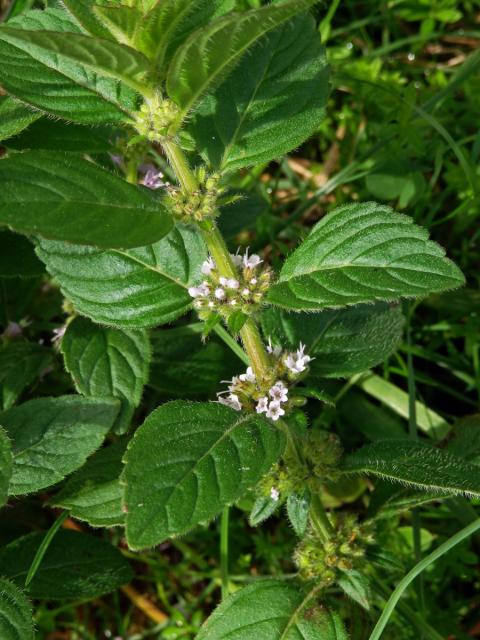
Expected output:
(224, 551)
(42, 549)
(320, 519)
(417, 570)
(223, 334)
(179, 163)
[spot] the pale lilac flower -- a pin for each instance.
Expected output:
(251, 262)
(231, 401)
(275, 411)
(248, 376)
(219, 293)
(236, 259)
(279, 392)
(152, 178)
(276, 351)
(232, 283)
(246, 292)
(262, 405)
(253, 281)
(297, 362)
(201, 290)
(208, 266)
(58, 334)
(274, 494)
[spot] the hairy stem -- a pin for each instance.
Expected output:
(320, 519)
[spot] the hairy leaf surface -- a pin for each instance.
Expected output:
(272, 610)
(104, 361)
(20, 364)
(209, 54)
(93, 493)
(63, 197)
(56, 135)
(75, 565)
(14, 117)
(342, 341)
(82, 11)
(6, 465)
(52, 437)
(361, 253)
(136, 288)
(417, 465)
(16, 615)
(57, 84)
(187, 461)
(272, 103)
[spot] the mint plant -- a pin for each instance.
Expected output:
(159, 108)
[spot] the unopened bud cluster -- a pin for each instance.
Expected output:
(155, 117)
(200, 204)
(225, 296)
(343, 552)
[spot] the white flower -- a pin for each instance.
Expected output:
(233, 302)
(219, 293)
(58, 333)
(201, 290)
(253, 281)
(279, 392)
(246, 292)
(251, 262)
(274, 494)
(262, 405)
(297, 362)
(236, 259)
(275, 410)
(248, 376)
(208, 266)
(276, 351)
(211, 304)
(232, 283)
(153, 178)
(231, 401)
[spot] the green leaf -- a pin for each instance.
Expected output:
(14, 117)
(210, 54)
(75, 565)
(82, 11)
(465, 442)
(298, 505)
(56, 135)
(93, 493)
(187, 461)
(104, 361)
(262, 509)
(75, 93)
(16, 615)
(123, 23)
(6, 465)
(361, 253)
(342, 341)
(17, 257)
(138, 288)
(272, 103)
(20, 364)
(272, 610)
(416, 465)
(52, 437)
(63, 197)
(356, 586)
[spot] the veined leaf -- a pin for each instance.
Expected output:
(75, 565)
(52, 437)
(342, 341)
(20, 364)
(56, 135)
(272, 103)
(63, 197)
(273, 610)
(93, 493)
(104, 361)
(6, 465)
(138, 288)
(262, 509)
(14, 117)
(361, 253)
(56, 84)
(417, 465)
(16, 615)
(356, 585)
(187, 461)
(298, 506)
(83, 12)
(122, 22)
(209, 54)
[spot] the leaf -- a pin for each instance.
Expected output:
(20, 364)
(211, 53)
(298, 506)
(123, 23)
(16, 615)
(63, 197)
(416, 465)
(108, 362)
(75, 565)
(6, 465)
(362, 253)
(52, 437)
(93, 493)
(136, 288)
(82, 11)
(272, 610)
(184, 366)
(356, 586)
(14, 117)
(272, 103)
(465, 442)
(262, 509)
(342, 341)
(187, 461)
(55, 135)
(17, 257)
(75, 93)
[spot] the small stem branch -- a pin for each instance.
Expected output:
(43, 548)
(179, 163)
(224, 529)
(320, 519)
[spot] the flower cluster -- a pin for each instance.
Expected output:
(296, 362)
(228, 295)
(200, 204)
(155, 118)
